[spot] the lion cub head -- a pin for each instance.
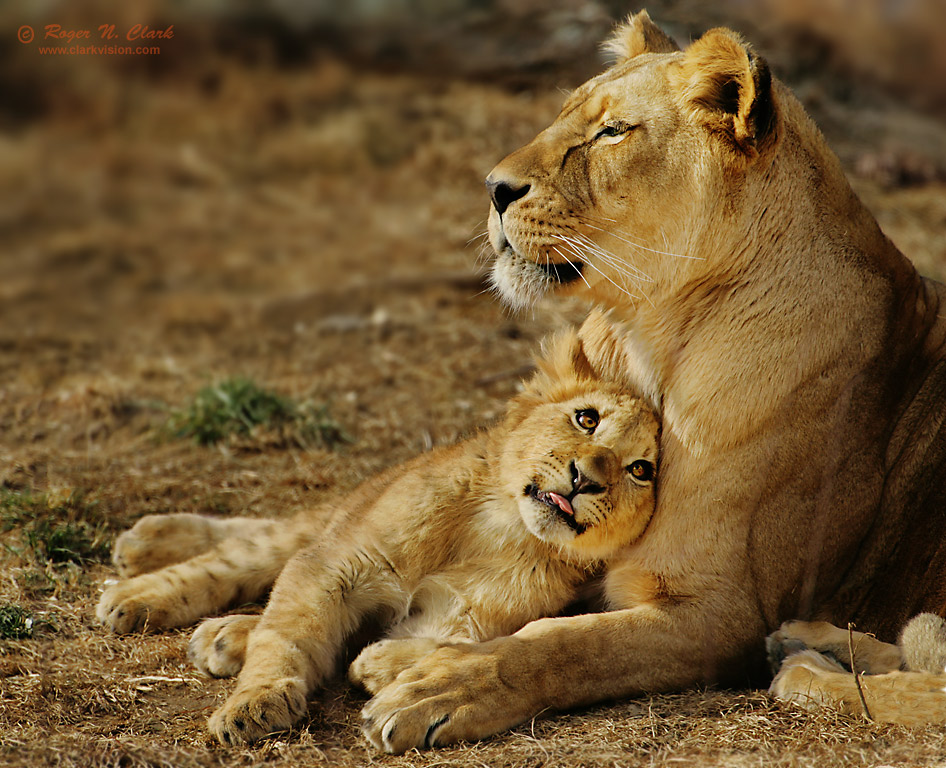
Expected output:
(580, 457)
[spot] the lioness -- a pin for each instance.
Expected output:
(903, 683)
(461, 544)
(797, 359)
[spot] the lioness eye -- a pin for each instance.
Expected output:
(614, 129)
(642, 471)
(587, 419)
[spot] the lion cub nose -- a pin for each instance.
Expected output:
(581, 483)
(504, 194)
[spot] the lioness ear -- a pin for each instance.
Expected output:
(728, 86)
(637, 35)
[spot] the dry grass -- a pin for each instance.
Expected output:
(308, 230)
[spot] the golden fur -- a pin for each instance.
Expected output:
(903, 683)
(462, 544)
(795, 356)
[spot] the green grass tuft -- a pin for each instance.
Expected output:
(15, 623)
(56, 529)
(18, 506)
(239, 410)
(55, 542)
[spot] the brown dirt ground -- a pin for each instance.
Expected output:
(313, 229)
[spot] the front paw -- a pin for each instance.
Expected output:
(380, 663)
(131, 606)
(251, 713)
(454, 694)
(218, 646)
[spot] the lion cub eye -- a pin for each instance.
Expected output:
(642, 471)
(588, 419)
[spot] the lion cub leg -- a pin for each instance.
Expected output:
(157, 541)
(237, 570)
(379, 663)
(314, 607)
(218, 646)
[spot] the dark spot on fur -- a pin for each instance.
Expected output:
(239, 724)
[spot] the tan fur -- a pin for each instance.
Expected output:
(794, 354)
(462, 544)
(903, 684)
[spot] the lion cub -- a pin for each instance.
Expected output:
(462, 544)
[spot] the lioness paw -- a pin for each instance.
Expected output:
(380, 663)
(251, 713)
(218, 646)
(451, 695)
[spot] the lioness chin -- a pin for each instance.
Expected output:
(795, 355)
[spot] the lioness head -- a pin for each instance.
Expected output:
(580, 457)
(638, 177)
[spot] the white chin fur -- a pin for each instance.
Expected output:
(519, 283)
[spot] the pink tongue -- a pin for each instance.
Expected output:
(561, 502)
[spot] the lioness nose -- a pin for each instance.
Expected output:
(504, 194)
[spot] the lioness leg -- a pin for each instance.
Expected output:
(314, 607)
(157, 541)
(907, 698)
(870, 655)
(218, 646)
(379, 663)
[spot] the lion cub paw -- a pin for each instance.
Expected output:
(251, 713)
(218, 646)
(138, 605)
(156, 541)
(379, 663)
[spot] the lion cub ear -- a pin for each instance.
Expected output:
(637, 35)
(562, 364)
(728, 87)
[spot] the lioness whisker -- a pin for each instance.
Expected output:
(583, 279)
(588, 261)
(611, 258)
(621, 267)
(586, 255)
(628, 238)
(590, 248)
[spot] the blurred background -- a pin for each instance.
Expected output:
(283, 201)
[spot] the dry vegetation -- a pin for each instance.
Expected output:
(313, 230)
